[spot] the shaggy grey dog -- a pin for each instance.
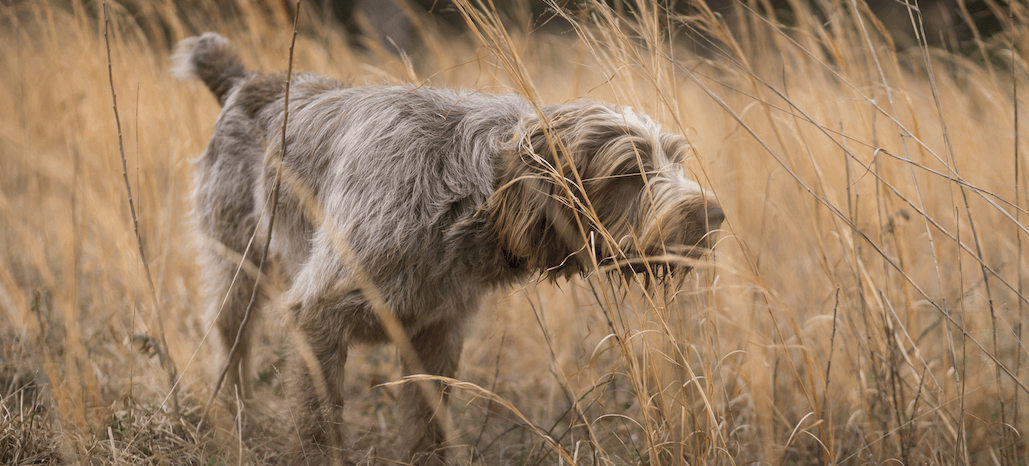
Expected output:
(441, 195)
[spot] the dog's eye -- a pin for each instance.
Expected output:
(675, 147)
(631, 168)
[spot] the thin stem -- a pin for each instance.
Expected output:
(165, 357)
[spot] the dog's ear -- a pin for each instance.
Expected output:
(533, 208)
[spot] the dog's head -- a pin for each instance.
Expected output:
(598, 185)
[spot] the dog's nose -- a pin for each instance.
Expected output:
(715, 215)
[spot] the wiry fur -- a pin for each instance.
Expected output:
(442, 195)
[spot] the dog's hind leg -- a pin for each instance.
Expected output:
(439, 349)
(229, 294)
(224, 208)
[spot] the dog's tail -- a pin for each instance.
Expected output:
(209, 58)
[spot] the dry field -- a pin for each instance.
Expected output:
(865, 304)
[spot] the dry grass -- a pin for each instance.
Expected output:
(864, 304)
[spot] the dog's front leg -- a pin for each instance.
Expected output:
(439, 350)
(318, 384)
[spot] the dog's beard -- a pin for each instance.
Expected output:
(665, 265)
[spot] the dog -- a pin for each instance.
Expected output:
(439, 196)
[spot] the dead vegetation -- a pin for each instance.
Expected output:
(865, 303)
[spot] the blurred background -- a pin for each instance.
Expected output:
(951, 24)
